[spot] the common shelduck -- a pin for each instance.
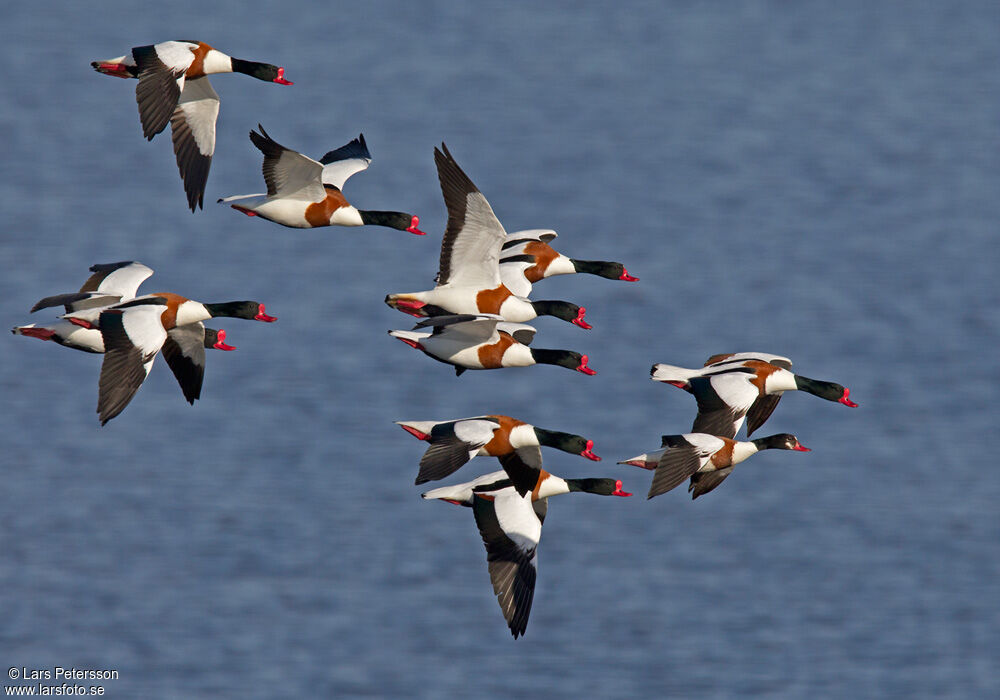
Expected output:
(478, 341)
(510, 524)
(173, 87)
(71, 335)
(705, 459)
(738, 386)
(304, 193)
(526, 257)
(468, 279)
(133, 332)
(455, 442)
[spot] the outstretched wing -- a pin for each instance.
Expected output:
(118, 278)
(452, 449)
(477, 328)
(524, 467)
(510, 530)
(470, 249)
(703, 482)
(161, 79)
(132, 337)
(108, 284)
(683, 457)
(723, 402)
(340, 164)
(192, 126)
(760, 411)
(184, 351)
(288, 173)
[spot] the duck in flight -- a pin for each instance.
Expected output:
(304, 193)
(174, 88)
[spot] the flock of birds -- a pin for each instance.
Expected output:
(474, 318)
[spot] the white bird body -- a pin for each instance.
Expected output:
(306, 193)
(704, 459)
(469, 278)
(742, 386)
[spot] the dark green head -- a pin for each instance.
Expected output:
(608, 270)
(216, 339)
(392, 219)
(825, 390)
(567, 442)
(261, 71)
(251, 310)
(601, 487)
(564, 310)
(563, 358)
(782, 441)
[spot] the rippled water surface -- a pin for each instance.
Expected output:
(814, 180)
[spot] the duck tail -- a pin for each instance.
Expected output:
(671, 374)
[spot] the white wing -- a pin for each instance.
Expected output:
(463, 492)
(704, 444)
(513, 278)
(175, 55)
(736, 390)
(124, 281)
(193, 132)
(340, 164)
(132, 338)
(511, 530)
(470, 249)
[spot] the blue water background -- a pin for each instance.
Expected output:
(819, 180)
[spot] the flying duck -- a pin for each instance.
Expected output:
(468, 279)
(510, 524)
(479, 341)
(730, 388)
(70, 335)
(526, 257)
(304, 193)
(455, 442)
(173, 87)
(705, 459)
(133, 332)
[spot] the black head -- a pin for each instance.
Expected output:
(825, 390)
(567, 442)
(601, 487)
(398, 220)
(216, 339)
(261, 71)
(250, 310)
(781, 441)
(564, 310)
(563, 358)
(608, 270)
